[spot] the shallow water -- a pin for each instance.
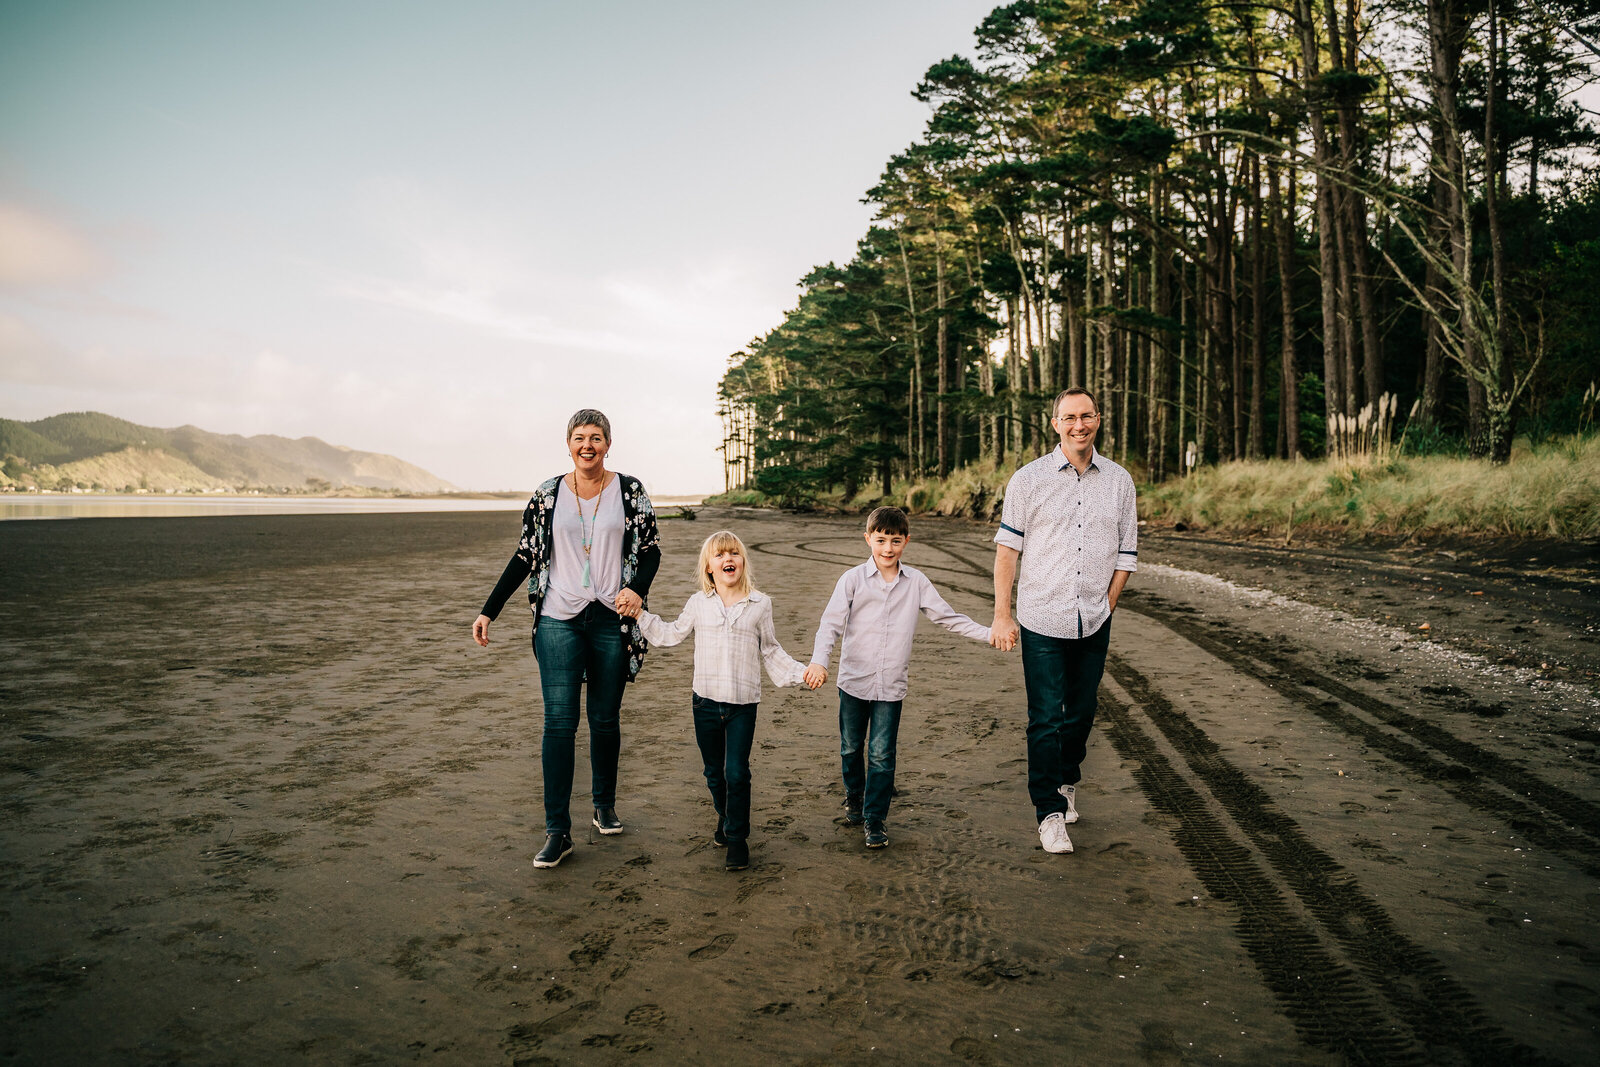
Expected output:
(128, 505)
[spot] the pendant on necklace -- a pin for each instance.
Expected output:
(586, 574)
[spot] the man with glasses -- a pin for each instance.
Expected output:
(1070, 519)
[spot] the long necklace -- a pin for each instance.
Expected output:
(586, 527)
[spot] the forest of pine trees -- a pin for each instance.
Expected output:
(1247, 227)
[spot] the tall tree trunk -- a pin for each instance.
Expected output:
(941, 415)
(1258, 312)
(1130, 348)
(1447, 37)
(1102, 388)
(1076, 325)
(1347, 303)
(1289, 400)
(914, 398)
(1013, 433)
(1434, 283)
(1500, 417)
(1327, 228)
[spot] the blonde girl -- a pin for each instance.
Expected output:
(732, 624)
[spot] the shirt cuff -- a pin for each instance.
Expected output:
(1008, 537)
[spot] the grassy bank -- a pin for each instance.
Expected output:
(1551, 490)
(974, 491)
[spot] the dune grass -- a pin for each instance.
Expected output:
(1552, 490)
(1549, 490)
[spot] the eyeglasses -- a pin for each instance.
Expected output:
(1072, 420)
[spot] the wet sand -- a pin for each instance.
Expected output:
(266, 802)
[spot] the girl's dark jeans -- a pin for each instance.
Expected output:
(590, 644)
(725, 733)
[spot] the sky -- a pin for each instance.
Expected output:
(433, 230)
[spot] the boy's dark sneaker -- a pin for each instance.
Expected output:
(738, 856)
(877, 835)
(556, 848)
(852, 811)
(606, 821)
(719, 838)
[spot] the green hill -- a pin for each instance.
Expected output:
(92, 450)
(88, 433)
(19, 439)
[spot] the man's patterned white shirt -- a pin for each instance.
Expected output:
(1073, 532)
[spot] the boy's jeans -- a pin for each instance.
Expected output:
(589, 643)
(1062, 676)
(874, 725)
(725, 733)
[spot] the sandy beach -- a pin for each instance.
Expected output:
(266, 802)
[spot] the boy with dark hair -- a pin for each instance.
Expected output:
(874, 607)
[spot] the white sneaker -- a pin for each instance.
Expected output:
(1053, 834)
(1071, 793)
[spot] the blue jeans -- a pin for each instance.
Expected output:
(725, 733)
(590, 644)
(1063, 681)
(873, 725)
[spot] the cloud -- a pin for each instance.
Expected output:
(25, 354)
(37, 250)
(481, 311)
(490, 271)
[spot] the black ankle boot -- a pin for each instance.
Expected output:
(556, 848)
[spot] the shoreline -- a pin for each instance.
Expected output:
(56, 506)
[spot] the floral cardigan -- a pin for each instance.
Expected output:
(641, 556)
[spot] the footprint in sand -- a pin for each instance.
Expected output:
(593, 947)
(650, 1015)
(717, 947)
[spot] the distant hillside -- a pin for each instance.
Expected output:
(93, 451)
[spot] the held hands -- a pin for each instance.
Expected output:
(480, 630)
(815, 676)
(1003, 633)
(628, 604)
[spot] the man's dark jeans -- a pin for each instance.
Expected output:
(590, 643)
(873, 725)
(1063, 680)
(725, 733)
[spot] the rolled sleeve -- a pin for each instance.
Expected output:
(1128, 533)
(1012, 510)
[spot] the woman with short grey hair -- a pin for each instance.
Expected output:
(588, 553)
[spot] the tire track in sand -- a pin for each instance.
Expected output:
(1462, 768)
(1392, 978)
